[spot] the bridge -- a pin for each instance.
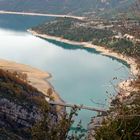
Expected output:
(77, 106)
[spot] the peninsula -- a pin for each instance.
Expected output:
(103, 38)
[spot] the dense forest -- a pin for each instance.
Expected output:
(72, 29)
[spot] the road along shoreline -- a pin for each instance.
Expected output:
(40, 14)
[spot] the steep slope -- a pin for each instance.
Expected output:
(20, 107)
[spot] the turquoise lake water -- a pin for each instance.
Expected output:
(79, 75)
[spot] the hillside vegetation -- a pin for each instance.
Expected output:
(20, 106)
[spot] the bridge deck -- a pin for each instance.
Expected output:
(78, 106)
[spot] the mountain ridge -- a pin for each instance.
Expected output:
(72, 7)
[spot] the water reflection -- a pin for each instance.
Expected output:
(72, 47)
(90, 50)
(119, 60)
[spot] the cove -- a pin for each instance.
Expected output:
(79, 75)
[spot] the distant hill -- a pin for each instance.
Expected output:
(76, 7)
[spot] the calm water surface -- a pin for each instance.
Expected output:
(79, 75)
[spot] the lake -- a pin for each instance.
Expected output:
(79, 75)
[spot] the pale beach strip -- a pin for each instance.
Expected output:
(35, 77)
(40, 14)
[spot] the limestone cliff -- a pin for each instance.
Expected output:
(20, 107)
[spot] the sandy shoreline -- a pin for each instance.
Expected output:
(36, 77)
(123, 86)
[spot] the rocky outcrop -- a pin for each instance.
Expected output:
(21, 108)
(19, 114)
